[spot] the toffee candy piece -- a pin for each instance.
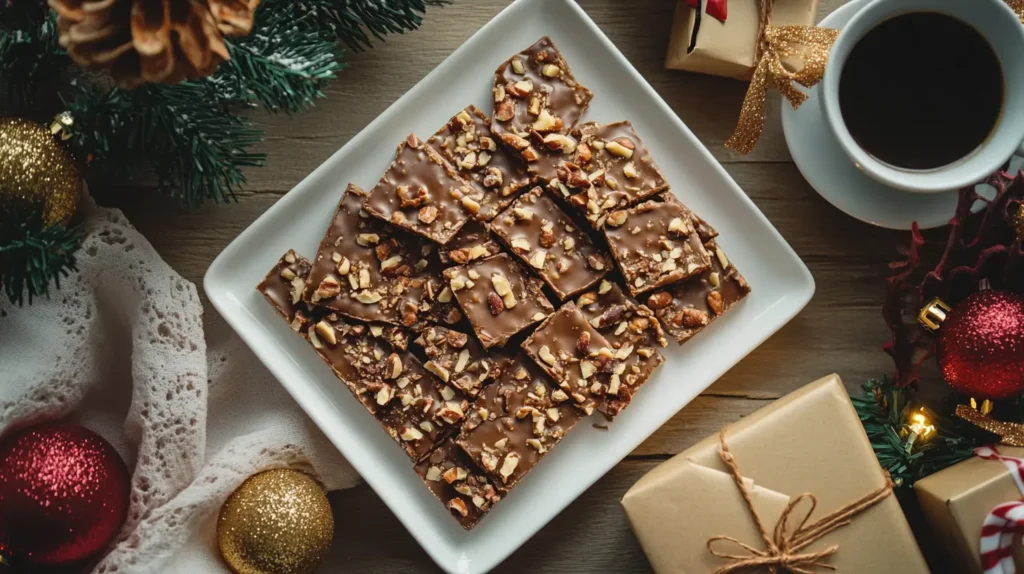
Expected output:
(457, 359)
(534, 91)
(655, 244)
(472, 242)
(547, 239)
(283, 287)
(578, 358)
(423, 193)
(686, 307)
(613, 168)
(417, 408)
(626, 324)
(466, 141)
(498, 298)
(370, 271)
(460, 486)
(355, 353)
(515, 421)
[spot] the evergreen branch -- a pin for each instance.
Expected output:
(349, 20)
(196, 147)
(884, 412)
(283, 65)
(22, 14)
(30, 53)
(32, 257)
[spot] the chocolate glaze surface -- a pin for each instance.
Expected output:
(498, 298)
(547, 239)
(423, 193)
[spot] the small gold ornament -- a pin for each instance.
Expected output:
(138, 41)
(36, 172)
(276, 522)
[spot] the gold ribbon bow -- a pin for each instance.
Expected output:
(810, 43)
(784, 549)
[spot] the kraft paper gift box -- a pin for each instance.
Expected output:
(810, 441)
(700, 43)
(957, 499)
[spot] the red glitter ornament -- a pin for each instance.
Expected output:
(981, 345)
(63, 495)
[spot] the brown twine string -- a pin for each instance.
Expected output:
(783, 547)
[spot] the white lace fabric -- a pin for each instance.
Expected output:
(120, 348)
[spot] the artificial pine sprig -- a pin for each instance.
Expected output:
(349, 20)
(885, 411)
(283, 65)
(33, 256)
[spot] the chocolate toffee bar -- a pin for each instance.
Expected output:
(423, 193)
(626, 324)
(418, 409)
(547, 239)
(412, 404)
(515, 421)
(457, 359)
(498, 298)
(612, 167)
(686, 307)
(460, 486)
(472, 242)
(654, 244)
(534, 91)
(579, 359)
(497, 173)
(283, 287)
(370, 271)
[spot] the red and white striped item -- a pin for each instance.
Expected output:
(1004, 521)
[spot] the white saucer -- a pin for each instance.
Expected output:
(832, 174)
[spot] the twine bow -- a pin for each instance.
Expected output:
(774, 43)
(784, 548)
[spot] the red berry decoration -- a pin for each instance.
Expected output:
(63, 495)
(981, 345)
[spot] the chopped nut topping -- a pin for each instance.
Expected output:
(715, 302)
(621, 147)
(509, 466)
(427, 214)
(368, 297)
(410, 434)
(517, 66)
(367, 239)
(327, 333)
(298, 286)
(433, 474)
(328, 288)
(457, 505)
(629, 170)
(616, 218)
(495, 304)
(438, 370)
(547, 356)
(538, 259)
(385, 394)
(394, 366)
(550, 70)
(470, 204)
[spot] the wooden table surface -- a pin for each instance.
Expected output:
(840, 331)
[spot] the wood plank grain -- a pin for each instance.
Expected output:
(840, 331)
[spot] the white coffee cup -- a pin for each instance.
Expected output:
(1004, 32)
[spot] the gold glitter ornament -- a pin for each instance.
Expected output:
(36, 172)
(276, 522)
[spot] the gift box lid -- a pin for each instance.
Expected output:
(956, 500)
(810, 441)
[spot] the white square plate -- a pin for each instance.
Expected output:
(781, 283)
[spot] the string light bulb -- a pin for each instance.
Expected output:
(919, 427)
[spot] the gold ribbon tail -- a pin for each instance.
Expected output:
(812, 45)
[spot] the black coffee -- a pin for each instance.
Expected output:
(921, 90)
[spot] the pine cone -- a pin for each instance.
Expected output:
(162, 41)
